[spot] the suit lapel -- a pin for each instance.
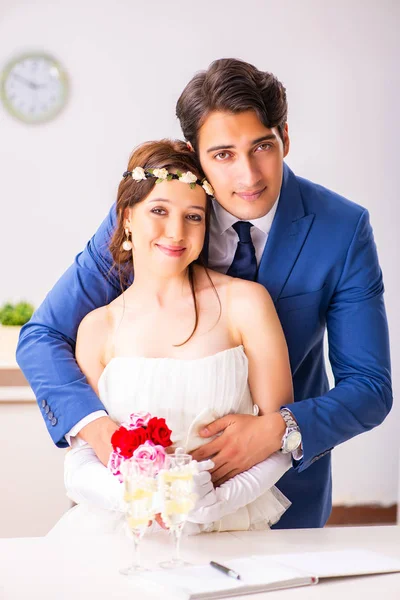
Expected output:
(285, 240)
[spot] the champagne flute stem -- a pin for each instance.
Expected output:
(177, 535)
(136, 552)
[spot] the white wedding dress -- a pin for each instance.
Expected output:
(188, 394)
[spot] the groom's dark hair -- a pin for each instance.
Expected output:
(231, 85)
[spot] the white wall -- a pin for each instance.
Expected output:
(31, 472)
(128, 62)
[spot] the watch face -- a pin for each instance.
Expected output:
(292, 441)
(34, 88)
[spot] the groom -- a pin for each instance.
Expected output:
(314, 252)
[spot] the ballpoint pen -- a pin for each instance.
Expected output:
(226, 570)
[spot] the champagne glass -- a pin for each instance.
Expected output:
(175, 485)
(140, 487)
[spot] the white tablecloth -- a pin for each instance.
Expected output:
(87, 568)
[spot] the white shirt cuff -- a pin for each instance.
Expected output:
(298, 453)
(72, 433)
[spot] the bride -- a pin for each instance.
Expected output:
(181, 342)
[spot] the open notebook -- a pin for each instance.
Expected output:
(266, 572)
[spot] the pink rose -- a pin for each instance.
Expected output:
(138, 419)
(149, 451)
(114, 464)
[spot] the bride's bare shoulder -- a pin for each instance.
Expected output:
(207, 278)
(240, 290)
(96, 323)
(94, 317)
(249, 298)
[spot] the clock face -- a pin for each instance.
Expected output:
(34, 88)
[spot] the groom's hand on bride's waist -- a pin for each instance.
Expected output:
(244, 441)
(98, 435)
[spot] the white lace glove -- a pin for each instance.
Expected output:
(88, 480)
(241, 489)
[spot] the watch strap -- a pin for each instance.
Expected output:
(291, 425)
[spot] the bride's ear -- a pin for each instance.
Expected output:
(189, 145)
(127, 218)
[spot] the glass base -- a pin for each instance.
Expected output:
(174, 564)
(133, 570)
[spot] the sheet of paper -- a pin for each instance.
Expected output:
(203, 579)
(340, 563)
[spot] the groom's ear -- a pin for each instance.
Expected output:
(189, 145)
(286, 141)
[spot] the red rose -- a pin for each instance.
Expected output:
(119, 440)
(125, 441)
(158, 432)
(138, 437)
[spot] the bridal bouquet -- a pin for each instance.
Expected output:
(142, 436)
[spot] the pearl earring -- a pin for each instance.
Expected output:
(127, 244)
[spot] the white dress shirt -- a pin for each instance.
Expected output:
(224, 239)
(222, 248)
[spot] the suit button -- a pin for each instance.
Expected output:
(47, 409)
(50, 416)
(54, 421)
(44, 403)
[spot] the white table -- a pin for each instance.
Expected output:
(87, 568)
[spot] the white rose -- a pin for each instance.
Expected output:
(160, 173)
(138, 174)
(188, 178)
(208, 188)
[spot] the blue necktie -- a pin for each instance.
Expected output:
(244, 264)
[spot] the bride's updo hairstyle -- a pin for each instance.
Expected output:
(173, 155)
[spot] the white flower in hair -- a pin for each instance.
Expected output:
(188, 177)
(138, 174)
(160, 173)
(208, 188)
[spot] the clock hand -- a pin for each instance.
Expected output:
(30, 84)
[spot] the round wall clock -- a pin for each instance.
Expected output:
(34, 87)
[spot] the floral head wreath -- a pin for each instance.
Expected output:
(138, 174)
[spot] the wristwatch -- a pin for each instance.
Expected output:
(292, 437)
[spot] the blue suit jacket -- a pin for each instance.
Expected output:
(321, 268)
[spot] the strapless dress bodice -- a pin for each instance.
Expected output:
(177, 389)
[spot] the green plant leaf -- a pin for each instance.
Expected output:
(17, 314)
